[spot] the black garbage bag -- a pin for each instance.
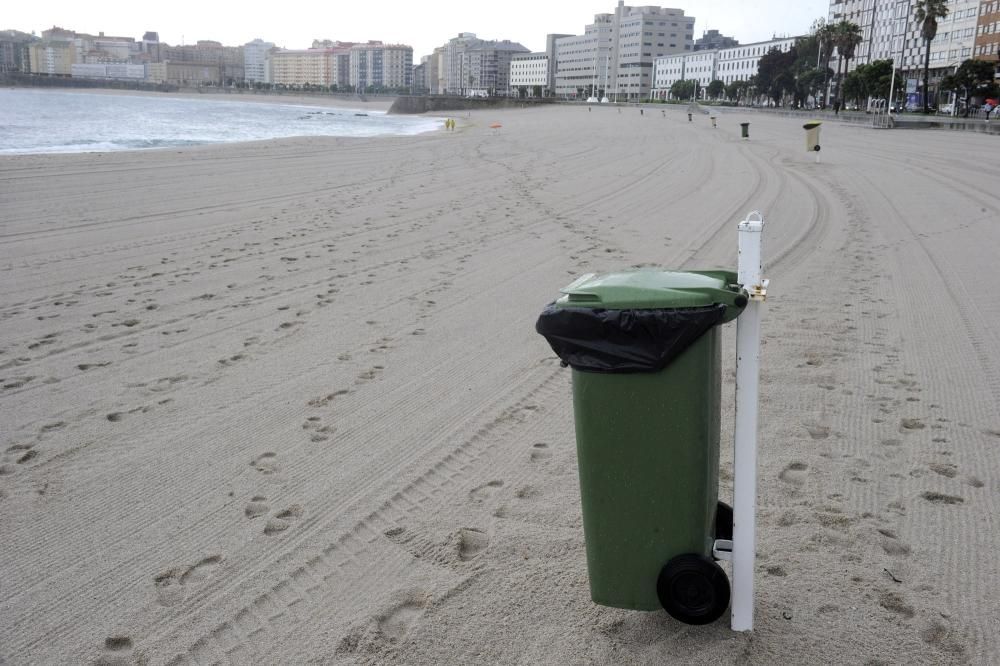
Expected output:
(624, 341)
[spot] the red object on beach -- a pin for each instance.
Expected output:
(496, 126)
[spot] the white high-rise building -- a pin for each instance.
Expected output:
(583, 62)
(667, 71)
(377, 65)
(890, 30)
(528, 71)
(615, 55)
(255, 60)
(737, 63)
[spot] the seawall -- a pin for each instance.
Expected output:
(409, 104)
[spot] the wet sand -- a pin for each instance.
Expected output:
(283, 401)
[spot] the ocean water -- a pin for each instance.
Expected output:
(50, 121)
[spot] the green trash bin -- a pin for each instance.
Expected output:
(645, 351)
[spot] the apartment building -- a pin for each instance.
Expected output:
(59, 49)
(987, 44)
(487, 67)
(620, 49)
(255, 60)
(297, 67)
(111, 72)
(700, 66)
(182, 73)
(667, 71)
(381, 66)
(105, 49)
(713, 40)
(890, 31)
(741, 62)
(468, 65)
(737, 63)
(14, 50)
(229, 60)
(529, 71)
(54, 57)
(419, 85)
(426, 75)
(149, 48)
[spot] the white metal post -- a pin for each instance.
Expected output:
(745, 433)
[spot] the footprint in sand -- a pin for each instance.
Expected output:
(540, 452)
(170, 585)
(117, 652)
(117, 643)
(27, 456)
(817, 431)
(236, 358)
(794, 473)
(909, 425)
(398, 621)
(369, 374)
(322, 433)
(471, 542)
(325, 400)
(892, 545)
(266, 463)
(896, 603)
(283, 520)
(83, 367)
(940, 498)
(944, 469)
(940, 635)
(256, 507)
(10, 383)
(527, 492)
(481, 493)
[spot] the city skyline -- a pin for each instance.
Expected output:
(423, 26)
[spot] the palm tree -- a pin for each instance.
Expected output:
(847, 36)
(827, 41)
(928, 12)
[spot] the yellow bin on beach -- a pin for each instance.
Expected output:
(812, 135)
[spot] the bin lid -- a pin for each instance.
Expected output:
(653, 288)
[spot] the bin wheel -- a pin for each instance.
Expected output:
(693, 589)
(724, 521)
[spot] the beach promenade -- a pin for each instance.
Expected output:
(283, 402)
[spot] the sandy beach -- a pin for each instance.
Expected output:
(283, 402)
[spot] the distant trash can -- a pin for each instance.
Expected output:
(645, 351)
(713, 121)
(812, 135)
(745, 130)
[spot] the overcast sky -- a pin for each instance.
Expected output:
(422, 25)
